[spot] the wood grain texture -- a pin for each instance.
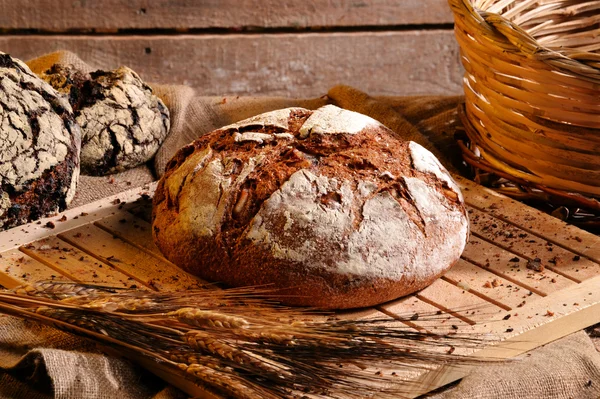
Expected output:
(533, 221)
(420, 315)
(75, 264)
(464, 305)
(508, 265)
(531, 247)
(16, 269)
(110, 15)
(491, 287)
(297, 65)
(130, 229)
(153, 272)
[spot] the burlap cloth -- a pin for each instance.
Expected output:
(40, 362)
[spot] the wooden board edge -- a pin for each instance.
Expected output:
(24, 234)
(289, 65)
(114, 15)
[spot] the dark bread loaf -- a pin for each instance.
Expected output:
(325, 206)
(68, 80)
(39, 146)
(122, 122)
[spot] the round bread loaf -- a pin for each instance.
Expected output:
(326, 207)
(39, 146)
(122, 122)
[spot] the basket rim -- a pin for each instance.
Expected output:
(584, 64)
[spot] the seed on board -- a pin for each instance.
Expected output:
(450, 194)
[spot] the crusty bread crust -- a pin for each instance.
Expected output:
(39, 146)
(122, 122)
(325, 206)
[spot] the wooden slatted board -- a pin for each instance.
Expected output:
(490, 291)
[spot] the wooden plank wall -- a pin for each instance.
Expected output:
(250, 47)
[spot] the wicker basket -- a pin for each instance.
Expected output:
(532, 94)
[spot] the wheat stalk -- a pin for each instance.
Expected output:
(236, 343)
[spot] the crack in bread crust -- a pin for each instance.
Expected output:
(336, 206)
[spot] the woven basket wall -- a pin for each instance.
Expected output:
(532, 87)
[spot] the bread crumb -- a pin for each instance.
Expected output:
(535, 265)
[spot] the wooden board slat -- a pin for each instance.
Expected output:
(489, 286)
(111, 15)
(460, 303)
(530, 247)
(131, 229)
(294, 65)
(75, 264)
(423, 316)
(16, 269)
(531, 220)
(152, 271)
(512, 267)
